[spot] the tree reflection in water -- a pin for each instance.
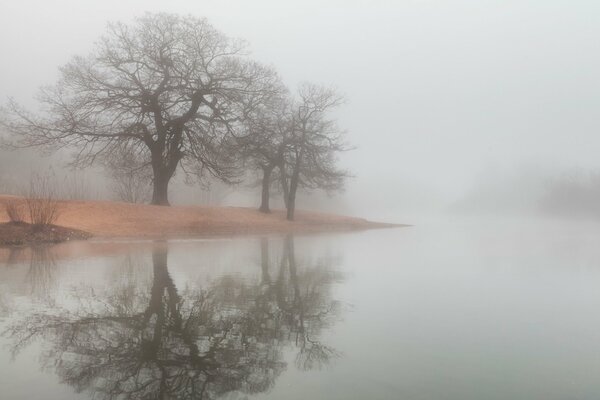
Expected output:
(41, 275)
(162, 343)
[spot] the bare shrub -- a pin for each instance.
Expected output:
(15, 211)
(128, 187)
(42, 206)
(131, 177)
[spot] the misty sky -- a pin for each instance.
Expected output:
(438, 90)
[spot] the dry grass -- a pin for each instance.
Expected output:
(113, 219)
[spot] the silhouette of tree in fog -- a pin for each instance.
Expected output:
(316, 140)
(171, 93)
(298, 138)
(169, 89)
(157, 342)
(268, 133)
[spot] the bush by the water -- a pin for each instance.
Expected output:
(42, 206)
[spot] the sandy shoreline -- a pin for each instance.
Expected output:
(115, 220)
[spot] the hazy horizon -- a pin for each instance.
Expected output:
(438, 92)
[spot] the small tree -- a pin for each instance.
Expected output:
(311, 154)
(268, 132)
(296, 141)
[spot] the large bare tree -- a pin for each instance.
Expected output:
(172, 88)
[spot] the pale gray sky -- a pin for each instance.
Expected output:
(438, 90)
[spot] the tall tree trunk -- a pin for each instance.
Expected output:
(164, 164)
(284, 185)
(291, 206)
(266, 185)
(160, 190)
(294, 181)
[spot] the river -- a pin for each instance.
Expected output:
(451, 309)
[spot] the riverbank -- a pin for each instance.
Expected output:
(23, 234)
(106, 219)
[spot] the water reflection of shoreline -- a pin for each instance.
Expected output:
(154, 340)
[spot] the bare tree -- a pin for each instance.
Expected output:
(295, 140)
(173, 88)
(311, 153)
(268, 132)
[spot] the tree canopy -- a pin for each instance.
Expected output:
(171, 88)
(171, 93)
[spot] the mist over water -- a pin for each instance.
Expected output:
(461, 310)
(476, 122)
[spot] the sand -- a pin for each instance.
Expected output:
(106, 219)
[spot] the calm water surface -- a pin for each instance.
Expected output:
(447, 310)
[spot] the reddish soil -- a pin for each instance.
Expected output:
(105, 219)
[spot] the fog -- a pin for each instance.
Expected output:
(461, 106)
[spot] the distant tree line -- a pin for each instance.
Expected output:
(573, 194)
(171, 94)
